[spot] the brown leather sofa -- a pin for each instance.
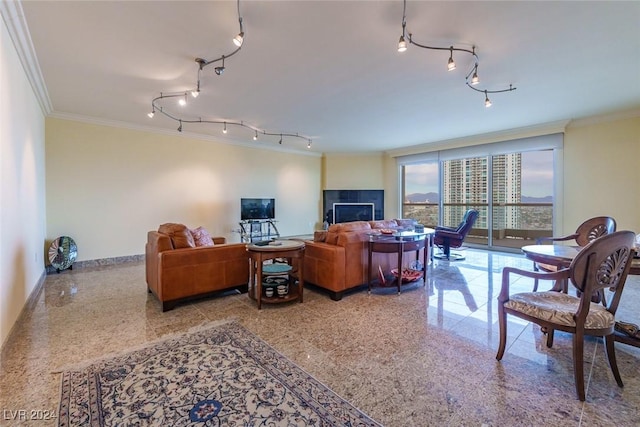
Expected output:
(337, 260)
(177, 269)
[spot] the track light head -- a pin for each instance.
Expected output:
(451, 65)
(219, 70)
(309, 144)
(224, 130)
(151, 114)
(180, 127)
(239, 39)
(195, 93)
(475, 79)
(255, 137)
(487, 101)
(402, 44)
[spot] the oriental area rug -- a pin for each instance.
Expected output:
(220, 376)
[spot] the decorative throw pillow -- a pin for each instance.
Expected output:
(201, 237)
(180, 235)
(319, 236)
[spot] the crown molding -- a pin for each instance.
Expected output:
(183, 134)
(594, 120)
(16, 24)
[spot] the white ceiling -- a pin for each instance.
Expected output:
(329, 70)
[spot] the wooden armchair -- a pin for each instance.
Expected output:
(603, 263)
(586, 233)
(449, 237)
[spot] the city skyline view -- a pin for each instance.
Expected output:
(518, 187)
(536, 176)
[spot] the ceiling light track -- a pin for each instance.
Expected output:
(226, 123)
(156, 105)
(471, 79)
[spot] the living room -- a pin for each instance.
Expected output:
(107, 184)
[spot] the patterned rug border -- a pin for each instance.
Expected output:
(299, 382)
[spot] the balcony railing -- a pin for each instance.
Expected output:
(515, 224)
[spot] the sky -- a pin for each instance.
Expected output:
(537, 175)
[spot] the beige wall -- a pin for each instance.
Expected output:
(107, 186)
(372, 171)
(22, 207)
(601, 172)
(353, 171)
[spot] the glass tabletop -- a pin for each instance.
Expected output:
(399, 235)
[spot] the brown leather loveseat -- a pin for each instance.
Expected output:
(337, 260)
(178, 269)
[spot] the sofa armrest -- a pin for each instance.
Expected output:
(324, 265)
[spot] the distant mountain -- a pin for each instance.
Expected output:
(545, 199)
(435, 197)
(422, 198)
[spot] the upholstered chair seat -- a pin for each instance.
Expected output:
(559, 308)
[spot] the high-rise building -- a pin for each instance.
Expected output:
(465, 183)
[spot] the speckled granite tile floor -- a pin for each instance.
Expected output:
(422, 358)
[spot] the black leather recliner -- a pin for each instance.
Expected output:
(449, 237)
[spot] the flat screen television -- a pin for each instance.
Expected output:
(346, 212)
(329, 197)
(253, 209)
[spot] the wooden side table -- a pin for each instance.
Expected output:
(399, 243)
(290, 250)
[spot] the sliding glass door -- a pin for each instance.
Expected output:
(513, 193)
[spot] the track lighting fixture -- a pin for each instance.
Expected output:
(239, 39)
(156, 103)
(402, 44)
(487, 101)
(220, 70)
(451, 65)
(475, 79)
(471, 78)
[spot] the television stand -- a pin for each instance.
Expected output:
(258, 230)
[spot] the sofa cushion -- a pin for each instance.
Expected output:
(383, 223)
(349, 226)
(336, 230)
(201, 237)
(180, 235)
(406, 223)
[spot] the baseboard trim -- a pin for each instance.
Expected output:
(28, 307)
(92, 263)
